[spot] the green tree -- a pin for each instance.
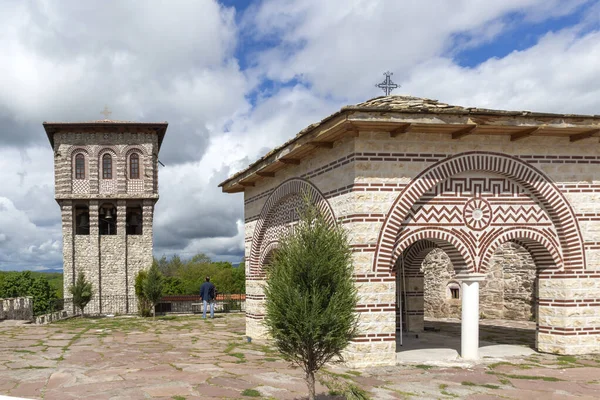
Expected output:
(143, 303)
(310, 294)
(173, 286)
(82, 291)
(153, 287)
(21, 284)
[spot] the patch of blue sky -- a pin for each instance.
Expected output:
(518, 34)
(268, 88)
(239, 5)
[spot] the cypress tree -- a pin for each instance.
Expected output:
(310, 294)
(82, 291)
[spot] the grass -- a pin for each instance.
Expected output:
(446, 393)
(240, 356)
(342, 384)
(176, 367)
(485, 385)
(177, 397)
(528, 377)
(24, 351)
(230, 347)
(338, 375)
(498, 364)
(565, 360)
(443, 390)
(355, 373)
(251, 393)
(423, 367)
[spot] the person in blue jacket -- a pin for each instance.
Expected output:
(207, 294)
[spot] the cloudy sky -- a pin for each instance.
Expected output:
(236, 78)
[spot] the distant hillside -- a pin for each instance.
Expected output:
(51, 271)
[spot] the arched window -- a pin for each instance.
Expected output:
(106, 166)
(79, 166)
(134, 166)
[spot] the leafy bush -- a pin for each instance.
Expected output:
(82, 291)
(22, 284)
(143, 303)
(152, 287)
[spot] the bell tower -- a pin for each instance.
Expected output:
(106, 184)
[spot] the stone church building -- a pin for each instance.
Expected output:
(451, 211)
(106, 184)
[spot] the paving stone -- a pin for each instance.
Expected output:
(141, 364)
(216, 391)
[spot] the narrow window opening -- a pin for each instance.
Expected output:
(79, 166)
(134, 166)
(107, 220)
(134, 220)
(454, 293)
(107, 166)
(82, 220)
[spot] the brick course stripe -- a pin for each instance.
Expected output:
(532, 179)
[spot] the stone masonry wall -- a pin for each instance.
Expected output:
(110, 262)
(362, 188)
(508, 292)
(19, 308)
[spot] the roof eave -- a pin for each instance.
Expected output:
(231, 185)
(54, 127)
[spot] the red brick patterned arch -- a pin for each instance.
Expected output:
(540, 185)
(460, 255)
(416, 253)
(542, 247)
(294, 186)
(267, 251)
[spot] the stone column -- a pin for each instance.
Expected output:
(94, 255)
(469, 335)
(66, 208)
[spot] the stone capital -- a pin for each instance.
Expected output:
(472, 277)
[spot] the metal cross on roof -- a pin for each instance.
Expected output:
(106, 112)
(387, 85)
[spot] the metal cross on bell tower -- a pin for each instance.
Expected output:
(106, 112)
(387, 85)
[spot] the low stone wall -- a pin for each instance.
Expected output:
(20, 308)
(51, 317)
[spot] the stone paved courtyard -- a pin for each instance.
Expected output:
(188, 358)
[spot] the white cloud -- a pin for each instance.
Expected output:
(176, 61)
(559, 74)
(340, 46)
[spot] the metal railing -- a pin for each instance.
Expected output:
(121, 304)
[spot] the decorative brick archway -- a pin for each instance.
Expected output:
(460, 255)
(541, 246)
(542, 189)
(279, 213)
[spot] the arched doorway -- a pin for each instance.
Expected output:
(468, 206)
(279, 215)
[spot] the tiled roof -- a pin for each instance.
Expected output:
(408, 103)
(385, 105)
